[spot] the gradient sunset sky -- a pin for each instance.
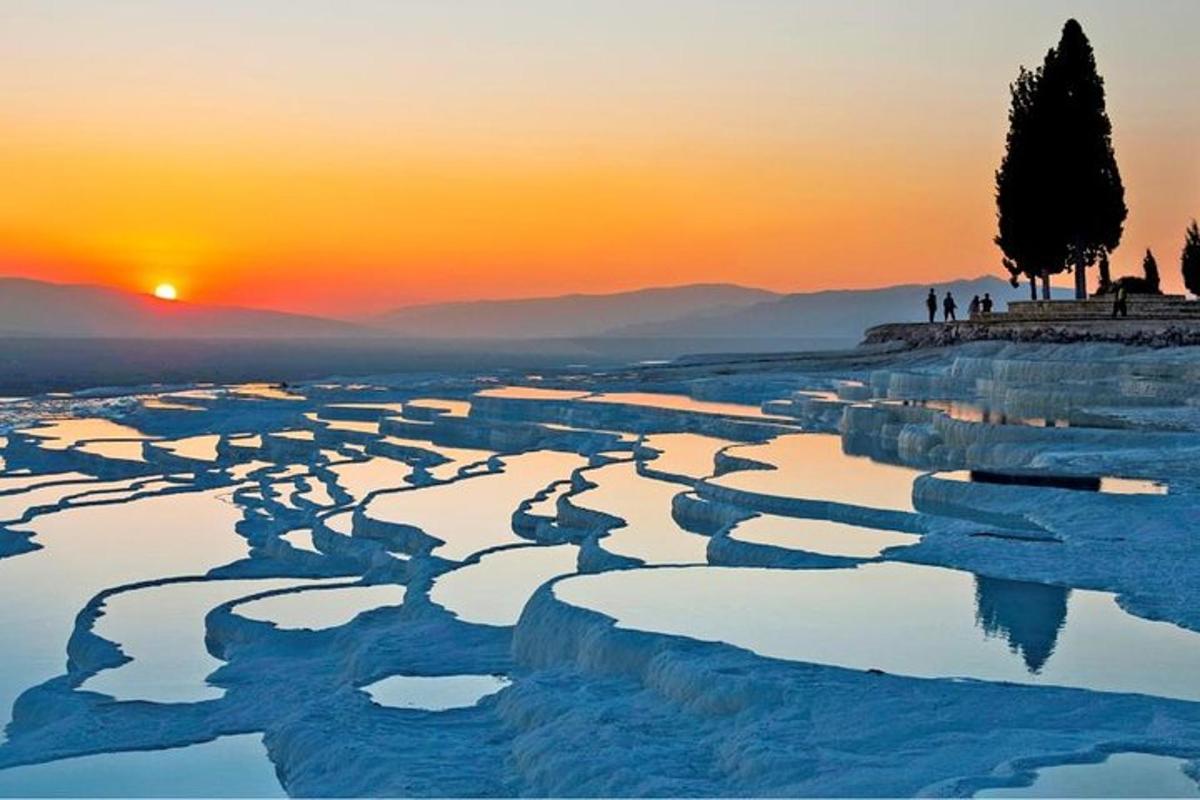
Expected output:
(344, 157)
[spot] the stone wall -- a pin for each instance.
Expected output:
(1142, 306)
(1145, 332)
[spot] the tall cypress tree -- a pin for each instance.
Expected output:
(1091, 198)
(1150, 270)
(1190, 259)
(1023, 214)
(1058, 191)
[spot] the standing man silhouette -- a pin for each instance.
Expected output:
(948, 306)
(931, 304)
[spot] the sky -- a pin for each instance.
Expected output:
(344, 158)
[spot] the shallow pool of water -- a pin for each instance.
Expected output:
(87, 550)
(681, 402)
(494, 590)
(360, 478)
(649, 534)
(819, 536)
(437, 693)
(474, 514)
(231, 766)
(13, 506)
(813, 466)
(1119, 775)
(321, 608)
(533, 393)
(689, 455)
(906, 619)
(63, 433)
(116, 449)
(301, 539)
(162, 629)
(196, 448)
(444, 407)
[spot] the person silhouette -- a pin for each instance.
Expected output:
(948, 307)
(931, 304)
(973, 308)
(985, 304)
(1120, 302)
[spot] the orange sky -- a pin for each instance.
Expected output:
(293, 156)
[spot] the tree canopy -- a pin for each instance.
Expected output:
(1190, 259)
(1059, 196)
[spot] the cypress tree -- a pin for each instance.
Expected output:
(1058, 190)
(1190, 259)
(1150, 270)
(1090, 206)
(1023, 214)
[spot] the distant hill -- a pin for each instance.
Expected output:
(571, 315)
(695, 318)
(38, 308)
(841, 314)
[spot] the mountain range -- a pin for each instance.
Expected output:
(38, 308)
(697, 312)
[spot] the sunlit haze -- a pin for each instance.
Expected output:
(344, 158)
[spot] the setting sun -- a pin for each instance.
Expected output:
(165, 291)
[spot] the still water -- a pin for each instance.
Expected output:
(906, 619)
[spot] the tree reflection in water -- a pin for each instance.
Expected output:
(1028, 615)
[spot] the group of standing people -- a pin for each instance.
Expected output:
(949, 306)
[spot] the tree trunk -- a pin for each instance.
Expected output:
(1105, 277)
(1080, 280)
(1045, 287)
(1033, 288)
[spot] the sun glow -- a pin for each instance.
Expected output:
(165, 291)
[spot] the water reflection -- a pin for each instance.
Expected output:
(1028, 615)
(681, 402)
(815, 466)
(231, 766)
(1105, 484)
(493, 591)
(901, 618)
(1119, 775)
(435, 693)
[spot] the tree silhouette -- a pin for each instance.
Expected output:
(1059, 195)
(1147, 283)
(1105, 274)
(1150, 270)
(1023, 214)
(1190, 259)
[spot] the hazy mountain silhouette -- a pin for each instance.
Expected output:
(38, 308)
(695, 318)
(838, 313)
(572, 315)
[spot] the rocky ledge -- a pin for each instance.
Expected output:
(1131, 331)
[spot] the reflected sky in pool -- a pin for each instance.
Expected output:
(813, 466)
(819, 536)
(475, 514)
(162, 629)
(231, 766)
(436, 693)
(690, 455)
(682, 402)
(1119, 775)
(87, 550)
(906, 619)
(650, 533)
(321, 608)
(494, 590)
